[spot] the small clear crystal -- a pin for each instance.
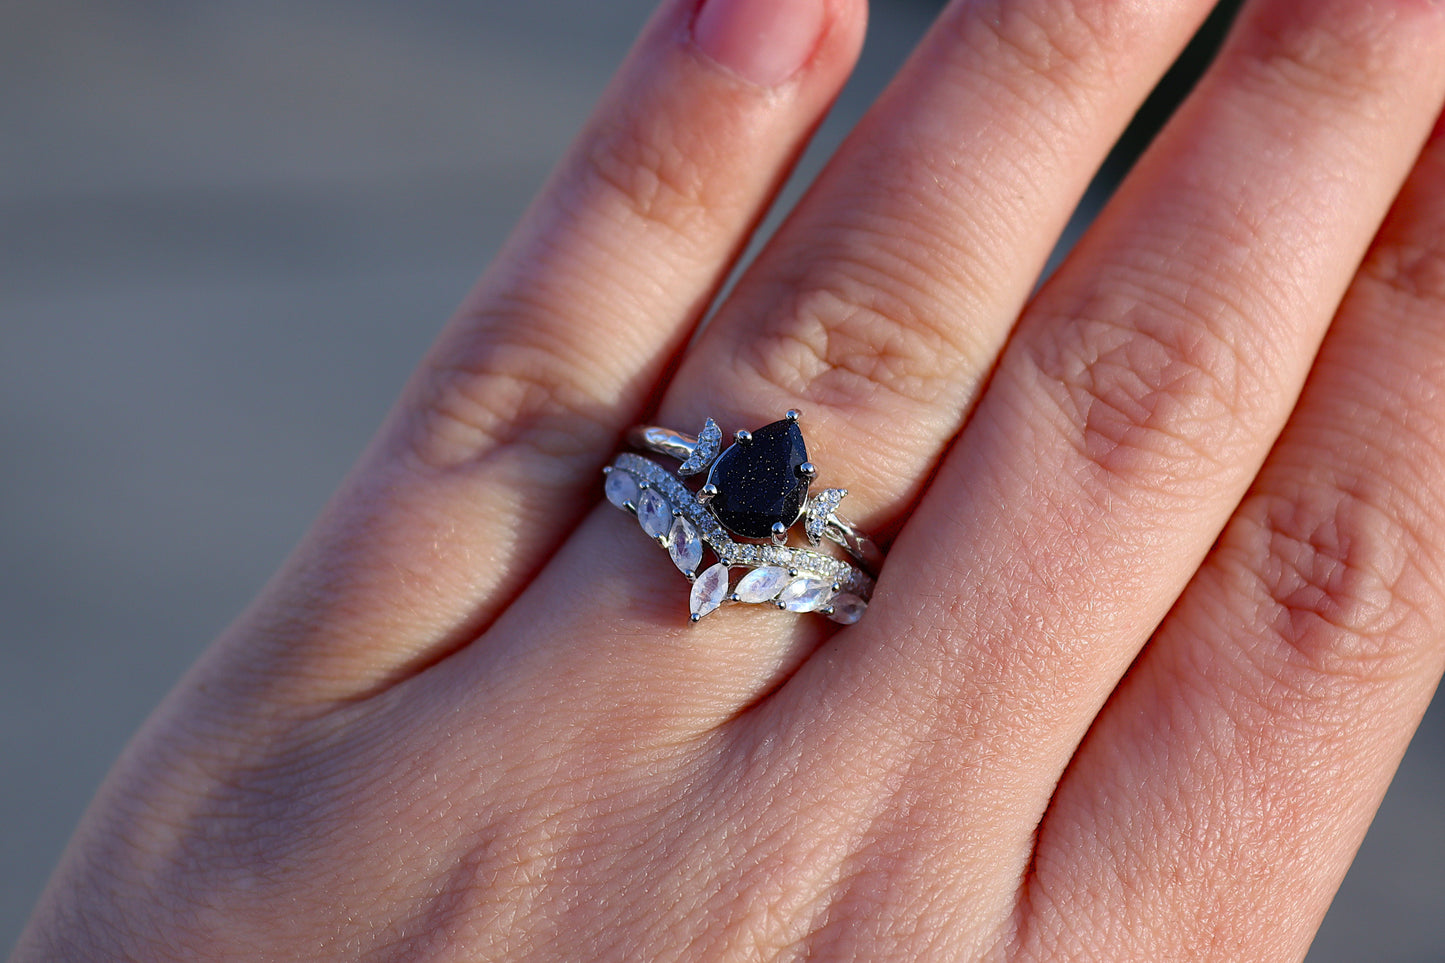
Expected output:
(709, 590)
(847, 608)
(621, 488)
(762, 584)
(820, 506)
(684, 544)
(654, 514)
(709, 440)
(806, 594)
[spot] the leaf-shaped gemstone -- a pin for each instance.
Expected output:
(847, 608)
(762, 584)
(709, 590)
(684, 544)
(654, 514)
(820, 506)
(621, 488)
(709, 440)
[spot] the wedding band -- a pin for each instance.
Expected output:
(755, 490)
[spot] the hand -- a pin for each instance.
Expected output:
(1160, 608)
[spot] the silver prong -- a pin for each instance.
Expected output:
(780, 603)
(607, 470)
(631, 506)
(695, 617)
(780, 533)
(707, 493)
(742, 436)
(808, 470)
(794, 572)
(734, 598)
(828, 611)
(793, 414)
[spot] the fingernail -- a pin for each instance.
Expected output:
(762, 41)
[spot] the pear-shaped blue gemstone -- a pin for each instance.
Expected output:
(758, 481)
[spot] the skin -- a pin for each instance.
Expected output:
(1167, 564)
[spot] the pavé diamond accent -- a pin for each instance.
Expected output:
(709, 440)
(820, 506)
(805, 594)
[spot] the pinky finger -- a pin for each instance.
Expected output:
(1220, 797)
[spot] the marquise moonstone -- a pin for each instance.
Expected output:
(684, 544)
(762, 584)
(709, 590)
(621, 488)
(806, 594)
(654, 514)
(847, 608)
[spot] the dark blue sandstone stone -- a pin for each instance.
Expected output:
(758, 481)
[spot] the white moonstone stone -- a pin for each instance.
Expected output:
(621, 488)
(806, 594)
(708, 590)
(654, 514)
(847, 608)
(684, 544)
(762, 584)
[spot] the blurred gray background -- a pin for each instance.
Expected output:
(228, 228)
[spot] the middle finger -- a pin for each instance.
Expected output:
(882, 303)
(880, 306)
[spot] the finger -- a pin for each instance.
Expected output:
(1225, 788)
(494, 450)
(881, 304)
(1131, 411)
(884, 300)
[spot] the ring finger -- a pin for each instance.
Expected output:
(1140, 394)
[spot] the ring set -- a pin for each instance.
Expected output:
(754, 492)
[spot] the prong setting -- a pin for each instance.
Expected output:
(742, 436)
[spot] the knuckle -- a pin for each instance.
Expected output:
(1063, 41)
(469, 404)
(1341, 50)
(660, 175)
(857, 335)
(1331, 566)
(1412, 273)
(1150, 394)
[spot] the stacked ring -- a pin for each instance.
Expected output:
(754, 493)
